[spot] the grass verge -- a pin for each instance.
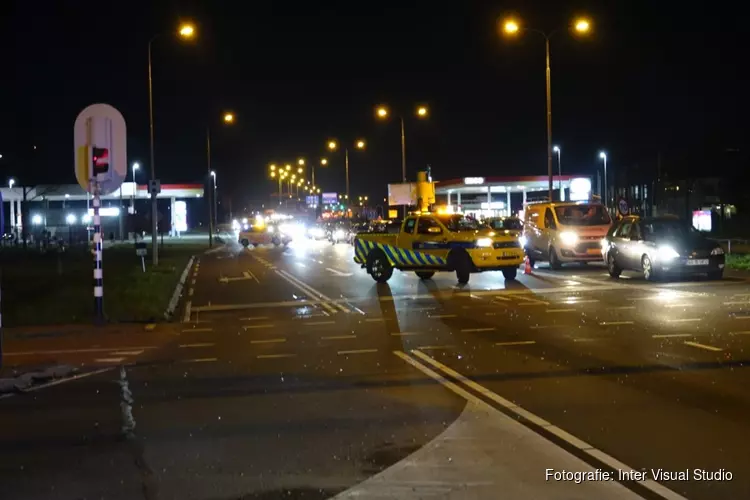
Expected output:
(56, 288)
(738, 261)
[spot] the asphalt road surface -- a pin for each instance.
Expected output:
(295, 375)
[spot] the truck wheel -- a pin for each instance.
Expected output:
(463, 269)
(275, 242)
(245, 243)
(378, 266)
(256, 245)
(510, 274)
(425, 275)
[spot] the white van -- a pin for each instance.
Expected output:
(565, 231)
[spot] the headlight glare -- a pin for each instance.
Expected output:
(484, 242)
(667, 253)
(717, 251)
(568, 238)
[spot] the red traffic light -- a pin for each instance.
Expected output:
(100, 160)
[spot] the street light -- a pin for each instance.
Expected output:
(358, 144)
(603, 156)
(11, 181)
(512, 27)
(186, 32)
(382, 113)
(212, 200)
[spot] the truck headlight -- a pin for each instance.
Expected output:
(667, 253)
(339, 234)
(484, 242)
(270, 229)
(717, 251)
(568, 238)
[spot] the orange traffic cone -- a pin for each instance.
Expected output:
(527, 266)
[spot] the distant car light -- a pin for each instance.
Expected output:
(270, 229)
(316, 232)
(717, 251)
(484, 242)
(339, 234)
(245, 226)
(244, 220)
(568, 238)
(667, 253)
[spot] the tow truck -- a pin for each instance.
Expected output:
(432, 241)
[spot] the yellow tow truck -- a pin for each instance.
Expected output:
(430, 242)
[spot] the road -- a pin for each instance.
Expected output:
(295, 375)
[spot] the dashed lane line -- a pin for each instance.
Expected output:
(275, 356)
(197, 344)
(199, 360)
(435, 347)
(683, 320)
(357, 351)
(318, 323)
(615, 323)
(197, 330)
(561, 310)
(374, 320)
(254, 318)
(671, 335)
(515, 342)
(469, 330)
(77, 351)
(703, 346)
(109, 360)
(257, 327)
(127, 353)
(268, 341)
(188, 312)
(338, 337)
(442, 316)
(405, 334)
(746, 332)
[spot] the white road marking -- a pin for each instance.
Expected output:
(405, 334)
(671, 335)
(257, 327)
(337, 272)
(254, 318)
(540, 327)
(585, 447)
(127, 353)
(615, 323)
(534, 304)
(623, 307)
(188, 313)
(515, 342)
(439, 316)
(357, 351)
(703, 346)
(197, 330)
(272, 356)
(747, 332)
(197, 344)
(108, 360)
(268, 341)
(200, 360)
(560, 310)
(490, 314)
(374, 320)
(573, 302)
(467, 330)
(504, 299)
(530, 301)
(742, 303)
(190, 291)
(339, 337)
(741, 317)
(683, 320)
(311, 292)
(314, 323)
(435, 347)
(77, 351)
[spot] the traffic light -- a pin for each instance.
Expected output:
(100, 160)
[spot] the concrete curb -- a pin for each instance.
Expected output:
(178, 290)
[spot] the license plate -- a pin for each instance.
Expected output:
(506, 254)
(593, 251)
(697, 262)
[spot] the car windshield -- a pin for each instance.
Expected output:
(457, 223)
(510, 223)
(583, 215)
(666, 229)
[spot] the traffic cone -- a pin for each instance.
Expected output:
(527, 266)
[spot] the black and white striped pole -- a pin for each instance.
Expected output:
(99, 136)
(98, 272)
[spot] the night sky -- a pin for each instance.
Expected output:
(653, 78)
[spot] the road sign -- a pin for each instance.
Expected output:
(100, 128)
(622, 206)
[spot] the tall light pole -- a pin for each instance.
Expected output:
(512, 27)
(187, 32)
(556, 149)
(333, 146)
(323, 162)
(216, 198)
(135, 167)
(603, 157)
(382, 112)
(228, 119)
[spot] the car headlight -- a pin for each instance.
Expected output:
(522, 241)
(270, 229)
(484, 242)
(245, 227)
(717, 251)
(568, 238)
(668, 253)
(338, 234)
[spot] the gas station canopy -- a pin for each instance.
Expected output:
(127, 190)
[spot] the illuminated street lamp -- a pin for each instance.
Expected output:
(358, 144)
(512, 28)
(382, 113)
(603, 157)
(213, 219)
(556, 149)
(186, 31)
